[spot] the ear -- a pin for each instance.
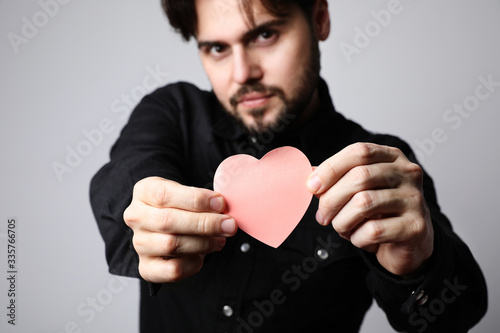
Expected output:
(321, 19)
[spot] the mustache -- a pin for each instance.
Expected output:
(255, 87)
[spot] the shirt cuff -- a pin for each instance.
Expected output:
(404, 290)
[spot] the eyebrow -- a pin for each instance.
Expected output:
(249, 35)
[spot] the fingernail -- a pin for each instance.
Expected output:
(228, 226)
(320, 218)
(217, 204)
(314, 184)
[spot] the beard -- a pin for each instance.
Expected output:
(291, 106)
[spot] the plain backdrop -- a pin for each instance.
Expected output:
(73, 69)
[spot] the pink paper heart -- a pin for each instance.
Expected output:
(266, 197)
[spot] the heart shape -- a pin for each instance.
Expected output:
(266, 197)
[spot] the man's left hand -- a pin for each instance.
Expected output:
(373, 197)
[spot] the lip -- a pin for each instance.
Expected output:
(254, 99)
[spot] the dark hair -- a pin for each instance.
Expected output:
(182, 13)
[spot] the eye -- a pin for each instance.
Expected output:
(267, 34)
(216, 51)
(266, 37)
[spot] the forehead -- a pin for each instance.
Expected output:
(221, 19)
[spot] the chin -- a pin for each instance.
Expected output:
(261, 126)
(260, 120)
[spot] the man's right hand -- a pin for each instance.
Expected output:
(174, 227)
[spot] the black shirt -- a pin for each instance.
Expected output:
(315, 281)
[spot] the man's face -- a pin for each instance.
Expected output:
(259, 73)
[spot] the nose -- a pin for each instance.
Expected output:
(246, 66)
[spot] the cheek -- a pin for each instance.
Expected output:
(285, 68)
(218, 77)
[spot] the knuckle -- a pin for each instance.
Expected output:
(332, 169)
(327, 203)
(161, 195)
(198, 199)
(373, 232)
(363, 201)
(128, 216)
(175, 270)
(360, 175)
(139, 186)
(142, 186)
(169, 245)
(137, 244)
(395, 150)
(363, 151)
(165, 220)
(414, 171)
(145, 270)
(341, 229)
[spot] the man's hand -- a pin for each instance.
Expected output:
(174, 227)
(372, 196)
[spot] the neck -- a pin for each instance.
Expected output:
(310, 110)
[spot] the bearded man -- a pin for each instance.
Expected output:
(373, 230)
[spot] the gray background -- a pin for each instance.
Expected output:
(73, 73)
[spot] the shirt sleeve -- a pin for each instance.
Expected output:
(149, 145)
(448, 296)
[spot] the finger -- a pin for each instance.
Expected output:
(366, 205)
(334, 168)
(161, 270)
(358, 179)
(166, 245)
(371, 248)
(399, 230)
(181, 222)
(398, 241)
(379, 231)
(159, 192)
